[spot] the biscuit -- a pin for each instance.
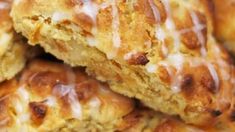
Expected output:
(13, 49)
(47, 96)
(50, 96)
(160, 52)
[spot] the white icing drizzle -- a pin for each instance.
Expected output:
(164, 49)
(159, 32)
(4, 42)
(176, 60)
(59, 16)
(63, 90)
(151, 68)
(89, 8)
(23, 93)
(16, 2)
(4, 5)
(20, 105)
(214, 75)
(129, 55)
(199, 27)
(148, 44)
(51, 101)
(91, 41)
(24, 117)
(115, 25)
(94, 102)
(75, 104)
(171, 26)
(176, 84)
(155, 10)
(197, 30)
(112, 53)
(105, 4)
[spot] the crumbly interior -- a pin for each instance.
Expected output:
(140, 52)
(13, 61)
(12, 49)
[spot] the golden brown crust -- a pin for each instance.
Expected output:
(224, 23)
(51, 93)
(156, 51)
(56, 106)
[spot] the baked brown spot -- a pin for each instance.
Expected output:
(42, 83)
(132, 119)
(143, 6)
(168, 126)
(38, 112)
(48, 20)
(86, 90)
(208, 83)
(216, 113)
(187, 81)
(4, 109)
(138, 59)
(34, 18)
(190, 40)
(72, 3)
(36, 34)
(61, 46)
(232, 115)
(163, 74)
(83, 21)
(187, 85)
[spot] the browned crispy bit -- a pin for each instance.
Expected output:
(132, 119)
(86, 90)
(169, 125)
(208, 83)
(163, 74)
(144, 7)
(187, 81)
(187, 85)
(139, 58)
(216, 113)
(61, 46)
(190, 40)
(38, 112)
(71, 3)
(232, 115)
(84, 21)
(41, 83)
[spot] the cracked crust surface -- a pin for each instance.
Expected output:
(50, 96)
(160, 52)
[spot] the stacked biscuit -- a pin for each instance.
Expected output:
(121, 65)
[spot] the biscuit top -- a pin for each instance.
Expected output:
(49, 93)
(6, 25)
(168, 39)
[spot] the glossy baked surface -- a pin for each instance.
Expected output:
(161, 52)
